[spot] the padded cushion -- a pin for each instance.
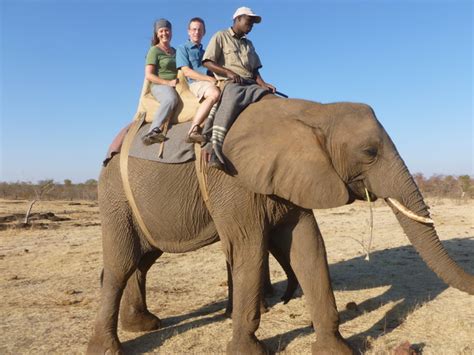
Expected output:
(187, 106)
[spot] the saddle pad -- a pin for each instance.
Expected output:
(175, 150)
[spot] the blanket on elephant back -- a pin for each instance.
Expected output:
(175, 149)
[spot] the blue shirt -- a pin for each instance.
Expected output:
(190, 55)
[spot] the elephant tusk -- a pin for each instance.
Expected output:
(408, 213)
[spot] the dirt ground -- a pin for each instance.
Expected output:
(50, 287)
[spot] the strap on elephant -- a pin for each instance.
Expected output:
(138, 121)
(201, 174)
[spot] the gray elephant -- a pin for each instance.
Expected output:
(287, 157)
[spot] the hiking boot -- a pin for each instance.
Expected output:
(215, 163)
(195, 136)
(154, 136)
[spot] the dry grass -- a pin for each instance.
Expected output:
(50, 288)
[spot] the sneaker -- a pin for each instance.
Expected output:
(195, 136)
(154, 136)
(215, 163)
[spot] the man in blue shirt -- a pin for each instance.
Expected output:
(201, 82)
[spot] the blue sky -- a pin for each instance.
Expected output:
(71, 72)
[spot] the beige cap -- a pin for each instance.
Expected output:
(246, 11)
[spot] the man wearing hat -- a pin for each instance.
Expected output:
(233, 59)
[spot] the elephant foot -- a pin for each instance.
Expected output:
(331, 345)
(247, 345)
(109, 345)
(135, 321)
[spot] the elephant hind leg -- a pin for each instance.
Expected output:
(122, 252)
(104, 338)
(134, 313)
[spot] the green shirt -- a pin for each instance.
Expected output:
(165, 64)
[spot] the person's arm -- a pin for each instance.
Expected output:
(220, 70)
(152, 77)
(192, 74)
(184, 63)
(262, 83)
(211, 58)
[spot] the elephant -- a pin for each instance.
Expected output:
(286, 157)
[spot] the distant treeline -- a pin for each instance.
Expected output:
(49, 190)
(448, 186)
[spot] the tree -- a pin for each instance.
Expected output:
(43, 187)
(466, 185)
(91, 182)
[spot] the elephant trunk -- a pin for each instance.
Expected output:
(424, 238)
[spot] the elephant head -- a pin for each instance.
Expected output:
(327, 155)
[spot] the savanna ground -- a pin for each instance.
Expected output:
(50, 287)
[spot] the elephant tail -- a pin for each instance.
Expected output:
(284, 262)
(290, 287)
(102, 278)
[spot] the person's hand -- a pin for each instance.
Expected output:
(173, 82)
(267, 86)
(270, 87)
(206, 156)
(213, 80)
(234, 77)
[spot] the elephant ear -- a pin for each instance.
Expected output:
(273, 152)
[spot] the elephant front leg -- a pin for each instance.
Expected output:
(134, 313)
(241, 225)
(247, 274)
(263, 304)
(308, 259)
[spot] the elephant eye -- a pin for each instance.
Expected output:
(371, 152)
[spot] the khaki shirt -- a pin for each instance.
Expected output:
(233, 53)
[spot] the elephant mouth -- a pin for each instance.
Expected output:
(358, 191)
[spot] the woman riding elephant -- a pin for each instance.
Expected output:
(160, 70)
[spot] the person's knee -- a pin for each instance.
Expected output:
(172, 98)
(214, 94)
(175, 100)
